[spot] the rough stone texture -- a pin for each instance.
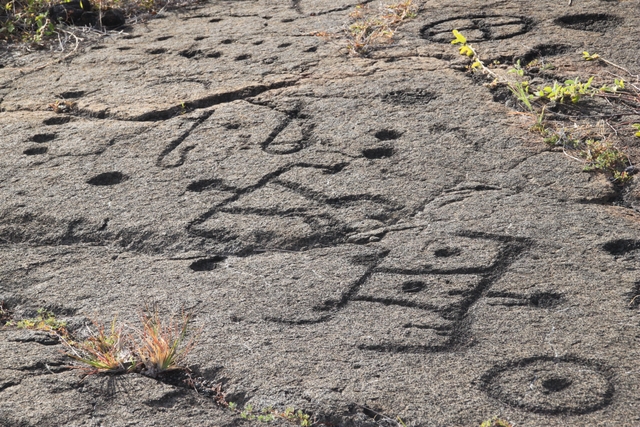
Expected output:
(349, 232)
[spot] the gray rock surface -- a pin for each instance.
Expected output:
(355, 236)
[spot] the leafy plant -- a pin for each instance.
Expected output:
(521, 91)
(467, 50)
(598, 154)
(269, 414)
(26, 17)
(496, 422)
(44, 321)
(517, 69)
(570, 89)
(601, 155)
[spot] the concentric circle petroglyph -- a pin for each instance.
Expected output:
(477, 28)
(548, 385)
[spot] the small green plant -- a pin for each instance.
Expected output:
(44, 321)
(517, 69)
(269, 414)
(598, 154)
(521, 91)
(247, 413)
(26, 18)
(601, 155)
(495, 422)
(570, 89)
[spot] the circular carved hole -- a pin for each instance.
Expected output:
(57, 121)
(43, 137)
(413, 286)
(387, 134)
(72, 94)
(545, 299)
(447, 252)
(207, 264)
(377, 153)
(555, 384)
(108, 178)
(35, 150)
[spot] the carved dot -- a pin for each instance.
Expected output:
(258, 42)
(200, 38)
(378, 152)
(413, 286)
(156, 51)
(555, 384)
(387, 134)
(226, 41)
(545, 299)
(108, 178)
(163, 38)
(43, 137)
(622, 246)
(122, 48)
(311, 49)
(283, 45)
(214, 20)
(447, 252)
(57, 121)
(213, 55)
(207, 264)
(203, 184)
(190, 53)
(72, 94)
(597, 22)
(242, 57)
(35, 151)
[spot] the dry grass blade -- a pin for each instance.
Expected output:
(162, 347)
(5, 313)
(368, 30)
(104, 351)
